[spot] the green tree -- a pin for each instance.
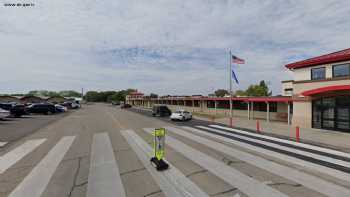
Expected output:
(258, 90)
(240, 93)
(92, 96)
(69, 93)
(221, 92)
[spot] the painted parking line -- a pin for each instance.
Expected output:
(172, 182)
(36, 181)
(290, 159)
(104, 177)
(297, 176)
(298, 144)
(12, 157)
(244, 183)
(2, 144)
(296, 151)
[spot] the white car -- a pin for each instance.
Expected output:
(181, 115)
(4, 113)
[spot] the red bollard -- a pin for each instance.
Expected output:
(297, 133)
(258, 126)
(231, 122)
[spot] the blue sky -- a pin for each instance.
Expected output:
(165, 47)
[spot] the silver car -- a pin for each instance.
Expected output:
(4, 113)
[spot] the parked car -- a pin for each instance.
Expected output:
(16, 110)
(41, 108)
(71, 104)
(125, 106)
(115, 102)
(160, 110)
(181, 115)
(60, 108)
(4, 113)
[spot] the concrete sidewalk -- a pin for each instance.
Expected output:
(332, 139)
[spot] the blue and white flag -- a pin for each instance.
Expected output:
(234, 77)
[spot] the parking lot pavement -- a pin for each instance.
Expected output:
(13, 129)
(102, 150)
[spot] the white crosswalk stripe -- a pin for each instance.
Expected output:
(307, 180)
(293, 150)
(308, 146)
(36, 181)
(244, 183)
(172, 182)
(307, 164)
(104, 178)
(12, 157)
(2, 144)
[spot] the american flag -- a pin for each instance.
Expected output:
(237, 60)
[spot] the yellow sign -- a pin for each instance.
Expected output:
(159, 143)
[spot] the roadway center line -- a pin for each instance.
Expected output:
(296, 151)
(307, 146)
(36, 181)
(244, 183)
(104, 177)
(172, 182)
(12, 157)
(297, 176)
(294, 160)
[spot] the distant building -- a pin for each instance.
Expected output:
(9, 99)
(56, 99)
(32, 99)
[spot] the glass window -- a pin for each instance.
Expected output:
(318, 73)
(341, 70)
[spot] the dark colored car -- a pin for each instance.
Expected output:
(16, 110)
(160, 110)
(41, 108)
(126, 106)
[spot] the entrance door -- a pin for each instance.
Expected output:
(331, 113)
(328, 113)
(343, 113)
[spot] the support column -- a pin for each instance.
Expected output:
(252, 110)
(288, 116)
(267, 111)
(216, 106)
(248, 109)
(192, 105)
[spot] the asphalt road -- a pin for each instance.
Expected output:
(13, 129)
(102, 150)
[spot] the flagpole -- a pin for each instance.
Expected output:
(230, 81)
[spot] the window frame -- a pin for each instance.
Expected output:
(324, 68)
(348, 64)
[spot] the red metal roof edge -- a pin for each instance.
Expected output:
(325, 89)
(323, 59)
(245, 99)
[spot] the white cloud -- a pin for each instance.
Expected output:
(166, 47)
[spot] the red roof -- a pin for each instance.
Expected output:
(244, 99)
(325, 89)
(338, 56)
(136, 93)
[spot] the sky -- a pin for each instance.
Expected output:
(176, 47)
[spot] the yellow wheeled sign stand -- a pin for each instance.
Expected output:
(159, 145)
